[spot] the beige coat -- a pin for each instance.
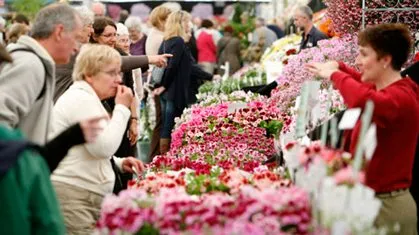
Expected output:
(21, 82)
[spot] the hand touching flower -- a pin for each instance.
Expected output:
(323, 70)
(130, 162)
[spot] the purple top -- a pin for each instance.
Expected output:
(138, 48)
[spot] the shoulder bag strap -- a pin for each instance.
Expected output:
(44, 87)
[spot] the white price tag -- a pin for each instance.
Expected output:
(273, 71)
(370, 141)
(316, 115)
(297, 102)
(235, 106)
(305, 141)
(313, 94)
(349, 119)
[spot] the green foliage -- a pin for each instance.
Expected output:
(145, 118)
(273, 127)
(230, 85)
(238, 11)
(243, 12)
(28, 7)
(148, 229)
(200, 184)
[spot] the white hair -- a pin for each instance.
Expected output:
(134, 22)
(51, 16)
(306, 10)
(98, 4)
(86, 15)
(121, 30)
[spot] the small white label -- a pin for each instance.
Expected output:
(370, 141)
(349, 119)
(235, 106)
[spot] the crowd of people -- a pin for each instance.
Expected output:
(72, 80)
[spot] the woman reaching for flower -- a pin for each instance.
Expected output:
(383, 50)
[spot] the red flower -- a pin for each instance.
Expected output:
(289, 146)
(291, 52)
(131, 183)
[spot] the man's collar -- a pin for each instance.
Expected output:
(36, 46)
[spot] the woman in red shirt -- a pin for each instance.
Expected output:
(383, 50)
(206, 41)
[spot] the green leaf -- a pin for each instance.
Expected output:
(273, 127)
(147, 229)
(28, 7)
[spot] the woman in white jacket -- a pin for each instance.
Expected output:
(85, 175)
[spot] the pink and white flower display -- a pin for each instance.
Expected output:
(294, 74)
(174, 211)
(217, 179)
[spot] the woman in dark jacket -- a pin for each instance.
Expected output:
(174, 86)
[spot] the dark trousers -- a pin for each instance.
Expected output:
(155, 140)
(414, 188)
(167, 116)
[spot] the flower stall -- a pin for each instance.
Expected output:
(242, 163)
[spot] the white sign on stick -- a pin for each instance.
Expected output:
(349, 119)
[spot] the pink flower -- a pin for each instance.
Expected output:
(347, 176)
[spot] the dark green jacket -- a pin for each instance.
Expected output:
(28, 203)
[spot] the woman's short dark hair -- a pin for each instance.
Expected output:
(229, 29)
(99, 26)
(207, 23)
(388, 39)
(22, 19)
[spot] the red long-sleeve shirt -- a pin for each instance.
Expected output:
(396, 114)
(207, 50)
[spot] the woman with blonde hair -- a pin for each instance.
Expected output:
(158, 17)
(85, 175)
(174, 86)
